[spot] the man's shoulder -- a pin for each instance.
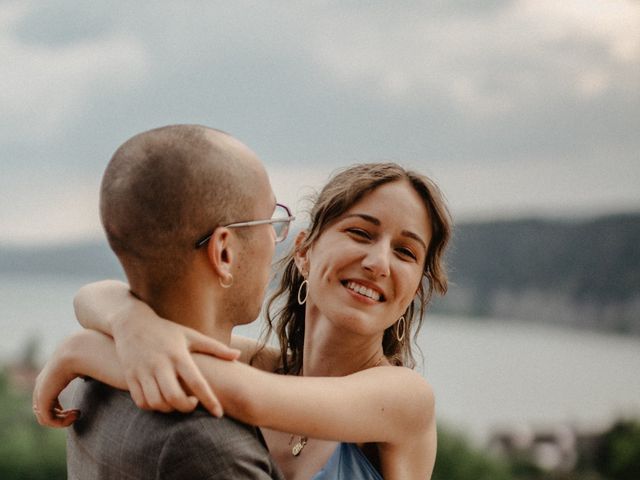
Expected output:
(217, 448)
(113, 432)
(107, 407)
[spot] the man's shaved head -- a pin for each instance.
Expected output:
(165, 188)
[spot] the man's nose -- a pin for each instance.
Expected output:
(377, 259)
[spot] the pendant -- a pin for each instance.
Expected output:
(297, 448)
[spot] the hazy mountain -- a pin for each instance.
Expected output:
(85, 259)
(585, 272)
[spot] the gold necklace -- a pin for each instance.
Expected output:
(297, 448)
(302, 441)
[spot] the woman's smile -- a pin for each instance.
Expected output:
(363, 291)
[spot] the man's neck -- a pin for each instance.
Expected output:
(194, 307)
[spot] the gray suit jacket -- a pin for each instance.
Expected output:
(113, 439)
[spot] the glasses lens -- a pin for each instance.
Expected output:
(281, 222)
(280, 212)
(281, 228)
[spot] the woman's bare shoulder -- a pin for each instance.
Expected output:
(410, 390)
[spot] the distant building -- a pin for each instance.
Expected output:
(554, 449)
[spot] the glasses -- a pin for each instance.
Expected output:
(280, 220)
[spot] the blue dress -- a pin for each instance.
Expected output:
(348, 463)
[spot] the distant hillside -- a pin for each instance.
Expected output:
(584, 273)
(92, 259)
(85, 259)
(575, 272)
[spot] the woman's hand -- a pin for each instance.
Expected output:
(52, 379)
(157, 364)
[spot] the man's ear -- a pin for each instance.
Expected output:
(221, 253)
(301, 255)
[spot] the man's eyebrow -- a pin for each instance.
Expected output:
(376, 222)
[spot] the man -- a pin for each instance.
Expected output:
(188, 211)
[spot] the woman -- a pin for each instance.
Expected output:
(351, 293)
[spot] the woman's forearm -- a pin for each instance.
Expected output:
(103, 305)
(95, 304)
(387, 404)
(93, 354)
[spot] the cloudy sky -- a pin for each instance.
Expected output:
(526, 107)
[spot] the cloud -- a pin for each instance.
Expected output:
(526, 94)
(44, 88)
(40, 209)
(558, 187)
(485, 62)
(296, 187)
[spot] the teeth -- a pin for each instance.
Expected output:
(362, 290)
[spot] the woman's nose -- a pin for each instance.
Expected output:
(377, 260)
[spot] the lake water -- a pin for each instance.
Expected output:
(487, 374)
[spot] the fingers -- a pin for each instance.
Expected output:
(195, 382)
(201, 343)
(153, 396)
(46, 407)
(64, 418)
(167, 389)
(137, 395)
(44, 418)
(173, 392)
(51, 413)
(57, 418)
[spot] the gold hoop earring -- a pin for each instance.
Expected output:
(226, 285)
(305, 284)
(402, 321)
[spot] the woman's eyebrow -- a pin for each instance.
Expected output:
(365, 217)
(416, 237)
(377, 223)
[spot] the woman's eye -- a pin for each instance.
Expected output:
(405, 252)
(358, 232)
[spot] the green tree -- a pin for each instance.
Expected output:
(619, 456)
(457, 459)
(27, 450)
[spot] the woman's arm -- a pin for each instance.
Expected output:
(98, 305)
(93, 354)
(383, 404)
(392, 406)
(109, 307)
(84, 353)
(149, 346)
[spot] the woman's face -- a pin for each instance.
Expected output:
(365, 268)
